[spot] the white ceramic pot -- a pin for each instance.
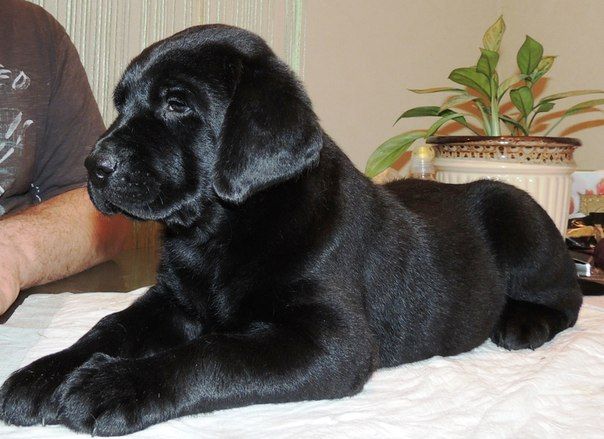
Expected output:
(542, 166)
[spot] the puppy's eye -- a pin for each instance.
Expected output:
(176, 106)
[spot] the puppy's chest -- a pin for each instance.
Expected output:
(228, 296)
(229, 282)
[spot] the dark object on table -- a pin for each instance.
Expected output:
(590, 287)
(585, 241)
(591, 278)
(591, 219)
(599, 254)
(583, 233)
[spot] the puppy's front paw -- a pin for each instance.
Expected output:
(105, 396)
(26, 396)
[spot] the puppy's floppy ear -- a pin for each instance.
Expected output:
(269, 134)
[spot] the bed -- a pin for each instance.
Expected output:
(555, 391)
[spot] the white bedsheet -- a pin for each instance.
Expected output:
(555, 391)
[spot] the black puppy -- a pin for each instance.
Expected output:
(286, 275)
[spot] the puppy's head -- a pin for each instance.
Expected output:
(209, 113)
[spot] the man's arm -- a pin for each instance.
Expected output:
(54, 239)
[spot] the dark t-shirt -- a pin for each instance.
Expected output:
(48, 116)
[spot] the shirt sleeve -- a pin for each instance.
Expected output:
(73, 124)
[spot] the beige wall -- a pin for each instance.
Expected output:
(362, 55)
(358, 57)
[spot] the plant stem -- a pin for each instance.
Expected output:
(530, 124)
(478, 133)
(527, 123)
(485, 119)
(474, 131)
(495, 127)
(554, 126)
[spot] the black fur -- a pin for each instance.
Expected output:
(286, 275)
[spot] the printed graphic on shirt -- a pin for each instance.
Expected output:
(13, 126)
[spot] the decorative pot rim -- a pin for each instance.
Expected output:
(507, 140)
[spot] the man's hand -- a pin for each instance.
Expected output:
(54, 239)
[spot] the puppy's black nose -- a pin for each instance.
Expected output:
(100, 168)
(104, 168)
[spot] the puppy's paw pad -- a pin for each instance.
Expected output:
(117, 422)
(102, 388)
(26, 396)
(524, 325)
(520, 335)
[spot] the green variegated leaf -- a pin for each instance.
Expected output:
(583, 106)
(436, 90)
(487, 63)
(541, 108)
(576, 109)
(461, 118)
(513, 122)
(569, 94)
(469, 77)
(508, 83)
(522, 98)
(457, 100)
(546, 63)
(389, 151)
(425, 112)
(419, 112)
(544, 107)
(544, 66)
(440, 122)
(492, 37)
(529, 56)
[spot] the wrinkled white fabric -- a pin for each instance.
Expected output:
(556, 391)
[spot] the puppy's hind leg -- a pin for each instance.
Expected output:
(526, 325)
(543, 296)
(533, 316)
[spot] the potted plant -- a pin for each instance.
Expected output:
(539, 165)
